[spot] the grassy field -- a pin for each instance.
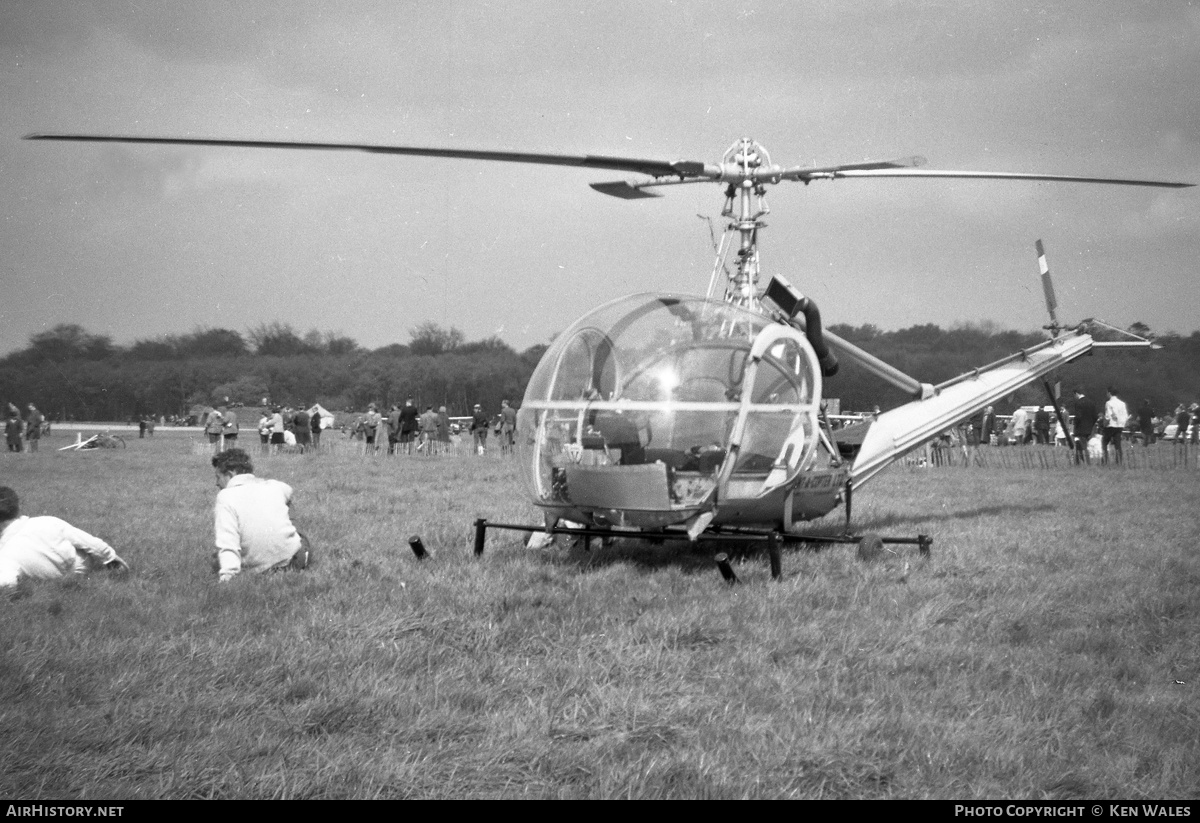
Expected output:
(1049, 648)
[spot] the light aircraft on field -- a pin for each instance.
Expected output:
(674, 416)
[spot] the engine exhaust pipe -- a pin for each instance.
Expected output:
(781, 294)
(816, 337)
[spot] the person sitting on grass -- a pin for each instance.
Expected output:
(45, 547)
(254, 530)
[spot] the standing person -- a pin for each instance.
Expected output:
(229, 426)
(142, 428)
(1041, 425)
(428, 431)
(213, 426)
(314, 424)
(277, 429)
(252, 520)
(508, 427)
(1060, 433)
(1182, 418)
(1116, 417)
(33, 427)
(1193, 413)
(1145, 419)
(443, 430)
(393, 427)
(986, 426)
(264, 430)
(302, 428)
(14, 429)
(1019, 422)
(371, 426)
(45, 547)
(1085, 421)
(479, 430)
(410, 424)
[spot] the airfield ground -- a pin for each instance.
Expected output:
(1049, 648)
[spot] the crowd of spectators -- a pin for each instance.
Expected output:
(1092, 428)
(1095, 430)
(432, 432)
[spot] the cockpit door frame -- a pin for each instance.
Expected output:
(788, 463)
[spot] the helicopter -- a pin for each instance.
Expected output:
(676, 417)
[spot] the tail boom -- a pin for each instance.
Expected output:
(900, 430)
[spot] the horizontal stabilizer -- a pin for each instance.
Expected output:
(900, 430)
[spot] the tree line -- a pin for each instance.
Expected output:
(70, 373)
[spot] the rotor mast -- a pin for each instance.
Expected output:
(745, 205)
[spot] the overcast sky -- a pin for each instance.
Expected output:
(138, 241)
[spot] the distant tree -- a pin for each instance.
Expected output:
(430, 338)
(276, 339)
(984, 327)
(314, 340)
(339, 344)
(69, 341)
(855, 334)
(160, 348)
(247, 390)
(204, 342)
(371, 383)
(926, 334)
(197, 398)
(392, 350)
(99, 347)
(65, 341)
(487, 344)
(533, 355)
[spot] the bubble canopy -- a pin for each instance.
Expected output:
(652, 408)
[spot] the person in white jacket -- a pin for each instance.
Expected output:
(253, 524)
(44, 548)
(1116, 417)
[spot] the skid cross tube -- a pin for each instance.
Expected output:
(773, 540)
(922, 541)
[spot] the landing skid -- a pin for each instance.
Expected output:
(870, 545)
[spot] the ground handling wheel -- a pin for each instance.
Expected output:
(870, 547)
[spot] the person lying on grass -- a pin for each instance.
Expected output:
(254, 530)
(45, 547)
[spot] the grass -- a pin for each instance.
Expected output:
(1049, 648)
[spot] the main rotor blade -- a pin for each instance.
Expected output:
(624, 190)
(683, 169)
(654, 168)
(635, 189)
(999, 175)
(805, 173)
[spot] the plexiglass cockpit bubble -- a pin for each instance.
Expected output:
(654, 408)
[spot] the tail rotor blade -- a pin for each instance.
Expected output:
(1048, 288)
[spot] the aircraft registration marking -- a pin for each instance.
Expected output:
(824, 480)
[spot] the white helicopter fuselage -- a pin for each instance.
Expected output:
(659, 410)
